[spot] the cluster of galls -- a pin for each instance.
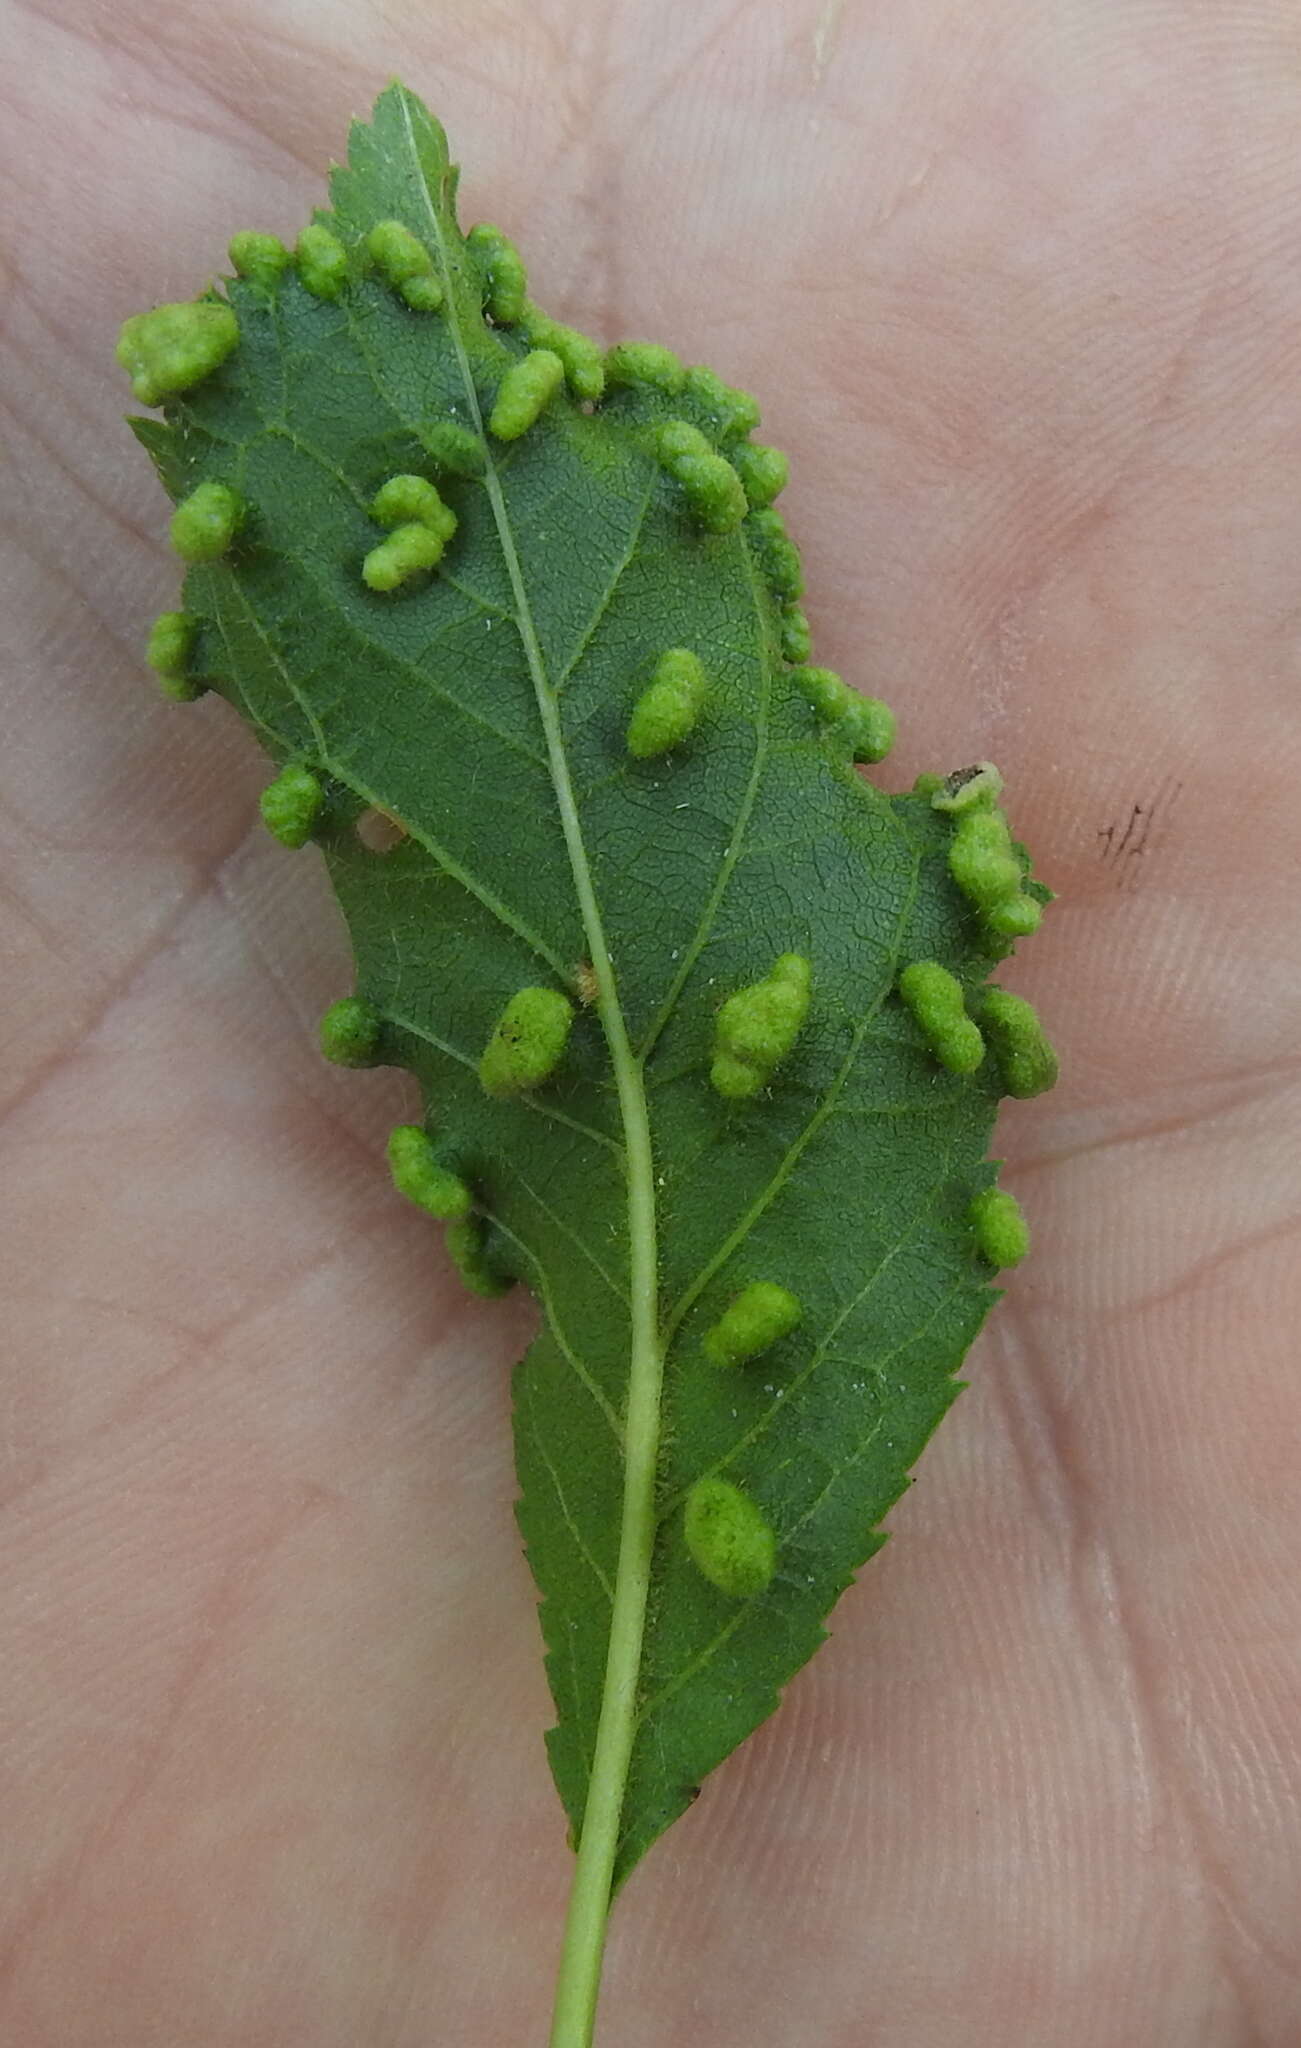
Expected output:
(525, 1048)
(175, 347)
(726, 481)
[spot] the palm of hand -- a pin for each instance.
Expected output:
(274, 1697)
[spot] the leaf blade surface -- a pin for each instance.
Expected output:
(484, 709)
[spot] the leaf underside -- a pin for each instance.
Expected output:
(847, 1181)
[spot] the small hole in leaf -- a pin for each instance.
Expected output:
(378, 832)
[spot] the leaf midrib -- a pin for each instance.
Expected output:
(579, 1975)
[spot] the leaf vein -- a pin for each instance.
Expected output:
(570, 1355)
(607, 597)
(731, 852)
(567, 1230)
(335, 768)
(526, 1100)
(580, 1541)
(716, 1642)
(769, 1192)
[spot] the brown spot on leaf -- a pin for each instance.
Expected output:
(379, 831)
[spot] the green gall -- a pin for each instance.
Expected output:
(466, 1240)
(667, 711)
(935, 998)
(204, 524)
(865, 724)
(1018, 917)
(631, 363)
(528, 1041)
(796, 639)
(733, 1078)
(760, 1316)
(976, 788)
(987, 868)
(1025, 1059)
(729, 413)
(710, 484)
(927, 784)
(981, 860)
(756, 1028)
(322, 262)
(505, 283)
(403, 261)
(262, 259)
(168, 650)
(1001, 1231)
(422, 294)
(412, 498)
(729, 1539)
(418, 1175)
(181, 689)
(409, 551)
(583, 360)
(778, 556)
(291, 805)
(175, 347)
(527, 387)
(350, 1033)
(824, 690)
(454, 448)
(764, 472)
(869, 726)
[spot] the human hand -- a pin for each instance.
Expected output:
(1015, 289)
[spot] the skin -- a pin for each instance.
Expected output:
(1017, 286)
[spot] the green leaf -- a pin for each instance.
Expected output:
(640, 938)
